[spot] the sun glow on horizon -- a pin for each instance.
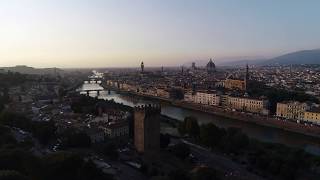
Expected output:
(83, 33)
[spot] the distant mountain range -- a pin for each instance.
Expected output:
(30, 70)
(298, 57)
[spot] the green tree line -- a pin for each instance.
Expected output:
(266, 158)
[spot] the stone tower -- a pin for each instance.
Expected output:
(142, 67)
(147, 128)
(246, 78)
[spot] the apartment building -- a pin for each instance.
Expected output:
(291, 110)
(247, 104)
(203, 98)
(234, 84)
(162, 93)
(312, 116)
(117, 130)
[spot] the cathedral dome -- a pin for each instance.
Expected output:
(211, 67)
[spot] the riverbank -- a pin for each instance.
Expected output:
(265, 121)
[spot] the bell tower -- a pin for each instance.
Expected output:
(142, 67)
(246, 79)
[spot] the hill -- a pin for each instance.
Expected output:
(30, 70)
(299, 57)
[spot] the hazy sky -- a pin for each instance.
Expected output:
(104, 33)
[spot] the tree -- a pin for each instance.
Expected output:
(205, 173)
(62, 166)
(182, 128)
(211, 135)
(73, 139)
(178, 174)
(61, 92)
(234, 141)
(20, 160)
(189, 126)
(6, 137)
(44, 131)
(274, 95)
(89, 171)
(11, 175)
(164, 140)
(15, 120)
(176, 93)
(181, 150)
(110, 150)
(192, 126)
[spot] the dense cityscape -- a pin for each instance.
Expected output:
(159, 90)
(74, 116)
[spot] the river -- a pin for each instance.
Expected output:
(261, 133)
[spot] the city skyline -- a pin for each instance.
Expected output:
(68, 34)
(159, 89)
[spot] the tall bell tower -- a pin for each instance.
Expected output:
(247, 77)
(142, 67)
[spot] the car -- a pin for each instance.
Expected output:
(22, 132)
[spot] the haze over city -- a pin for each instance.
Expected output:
(159, 90)
(96, 33)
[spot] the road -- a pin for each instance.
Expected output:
(232, 170)
(122, 170)
(127, 172)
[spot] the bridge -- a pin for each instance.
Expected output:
(93, 81)
(92, 84)
(90, 87)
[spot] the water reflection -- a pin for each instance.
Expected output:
(255, 131)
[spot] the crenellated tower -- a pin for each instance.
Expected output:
(147, 128)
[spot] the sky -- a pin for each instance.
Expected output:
(120, 33)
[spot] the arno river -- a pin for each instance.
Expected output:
(254, 131)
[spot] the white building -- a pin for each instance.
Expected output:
(247, 104)
(206, 98)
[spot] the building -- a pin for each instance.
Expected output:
(193, 66)
(147, 128)
(247, 104)
(206, 98)
(211, 67)
(237, 83)
(162, 93)
(312, 115)
(189, 97)
(247, 78)
(129, 87)
(291, 110)
(120, 129)
(233, 83)
(224, 100)
(96, 135)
